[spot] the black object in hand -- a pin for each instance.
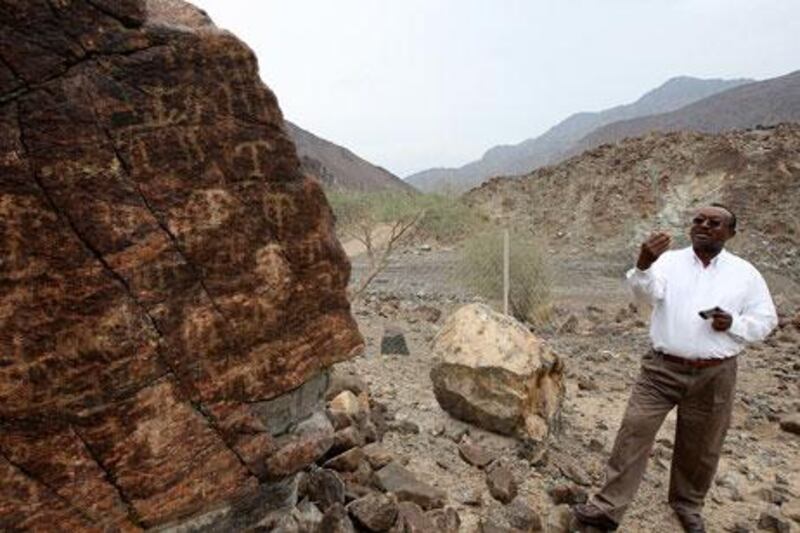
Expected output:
(705, 315)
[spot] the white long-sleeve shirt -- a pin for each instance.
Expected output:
(678, 286)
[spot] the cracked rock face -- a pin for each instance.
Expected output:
(164, 265)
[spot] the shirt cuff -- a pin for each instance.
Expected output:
(635, 272)
(737, 328)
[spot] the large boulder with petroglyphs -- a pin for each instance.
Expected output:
(167, 274)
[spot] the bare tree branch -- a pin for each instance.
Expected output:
(379, 257)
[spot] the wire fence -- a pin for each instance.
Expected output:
(437, 250)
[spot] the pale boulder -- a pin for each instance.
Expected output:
(346, 403)
(494, 373)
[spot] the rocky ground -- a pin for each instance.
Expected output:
(600, 339)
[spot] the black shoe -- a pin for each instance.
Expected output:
(589, 514)
(691, 521)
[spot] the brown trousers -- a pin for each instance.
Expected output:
(704, 398)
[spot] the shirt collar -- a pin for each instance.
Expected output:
(718, 259)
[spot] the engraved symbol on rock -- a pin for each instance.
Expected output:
(162, 115)
(325, 280)
(309, 251)
(139, 157)
(253, 148)
(279, 207)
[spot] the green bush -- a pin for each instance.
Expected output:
(481, 270)
(447, 219)
(442, 218)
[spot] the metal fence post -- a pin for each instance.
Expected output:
(505, 271)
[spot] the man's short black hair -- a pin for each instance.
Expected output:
(732, 224)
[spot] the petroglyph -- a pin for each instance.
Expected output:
(201, 332)
(278, 208)
(308, 251)
(224, 99)
(206, 209)
(139, 156)
(253, 149)
(273, 268)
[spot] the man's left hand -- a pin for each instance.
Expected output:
(721, 321)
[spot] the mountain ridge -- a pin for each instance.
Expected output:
(764, 103)
(555, 144)
(339, 168)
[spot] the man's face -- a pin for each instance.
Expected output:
(711, 227)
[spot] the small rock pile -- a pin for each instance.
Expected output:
(357, 485)
(519, 513)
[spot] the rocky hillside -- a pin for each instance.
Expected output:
(762, 103)
(338, 168)
(553, 145)
(605, 200)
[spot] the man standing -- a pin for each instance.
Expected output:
(706, 303)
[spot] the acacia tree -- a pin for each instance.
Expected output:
(380, 221)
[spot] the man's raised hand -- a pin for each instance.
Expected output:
(652, 248)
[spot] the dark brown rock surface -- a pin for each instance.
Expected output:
(165, 265)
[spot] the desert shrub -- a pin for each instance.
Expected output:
(439, 217)
(481, 270)
(447, 219)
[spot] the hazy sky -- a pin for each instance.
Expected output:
(413, 84)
